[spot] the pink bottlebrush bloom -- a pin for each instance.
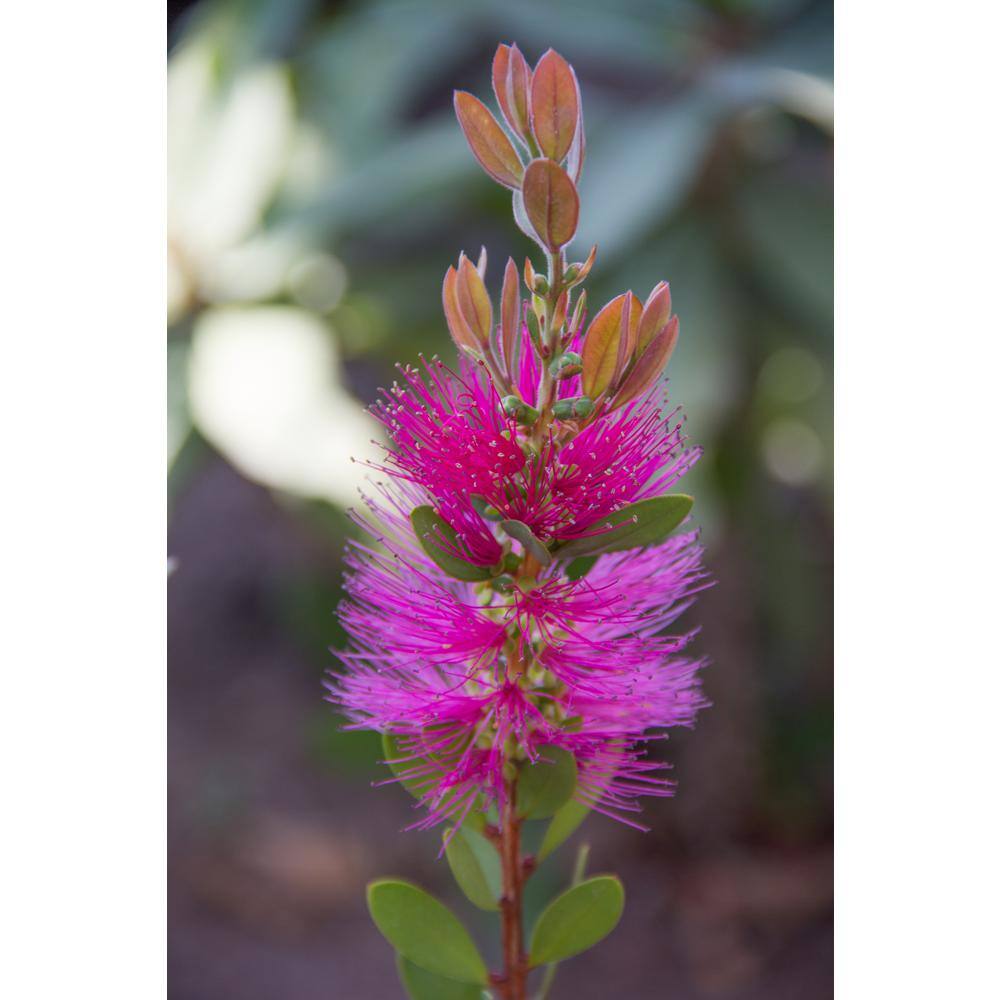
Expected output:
(431, 658)
(452, 438)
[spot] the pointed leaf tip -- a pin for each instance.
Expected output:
(577, 920)
(473, 300)
(555, 105)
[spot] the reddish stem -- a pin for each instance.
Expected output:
(514, 980)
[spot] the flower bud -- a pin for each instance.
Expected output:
(541, 285)
(572, 409)
(517, 408)
(566, 365)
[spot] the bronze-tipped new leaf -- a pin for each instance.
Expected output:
(655, 314)
(551, 202)
(460, 331)
(474, 301)
(650, 364)
(510, 315)
(488, 141)
(603, 346)
(580, 271)
(511, 81)
(631, 317)
(555, 105)
(600, 347)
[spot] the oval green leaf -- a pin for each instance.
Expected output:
(577, 920)
(434, 533)
(424, 930)
(475, 863)
(564, 824)
(546, 786)
(423, 985)
(646, 522)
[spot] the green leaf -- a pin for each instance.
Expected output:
(476, 866)
(580, 567)
(430, 530)
(424, 930)
(520, 532)
(644, 523)
(563, 826)
(423, 985)
(546, 786)
(420, 785)
(577, 920)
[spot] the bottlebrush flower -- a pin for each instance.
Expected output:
(495, 669)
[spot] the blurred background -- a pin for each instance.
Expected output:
(319, 187)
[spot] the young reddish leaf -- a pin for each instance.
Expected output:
(529, 275)
(551, 201)
(519, 88)
(510, 314)
(600, 347)
(501, 66)
(578, 151)
(489, 142)
(511, 79)
(650, 364)
(481, 263)
(559, 316)
(457, 327)
(473, 300)
(582, 270)
(631, 317)
(578, 312)
(555, 105)
(655, 314)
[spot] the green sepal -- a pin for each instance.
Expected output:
(520, 532)
(633, 526)
(428, 526)
(423, 985)
(564, 824)
(484, 508)
(547, 785)
(423, 930)
(475, 863)
(577, 920)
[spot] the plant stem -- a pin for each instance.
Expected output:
(514, 979)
